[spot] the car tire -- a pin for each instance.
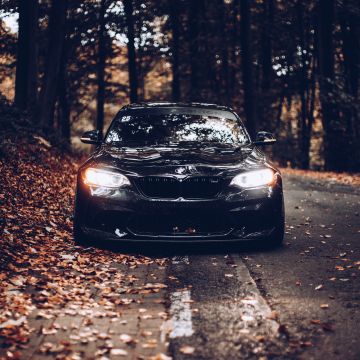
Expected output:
(79, 236)
(277, 237)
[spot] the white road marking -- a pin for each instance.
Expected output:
(252, 309)
(180, 323)
(181, 314)
(254, 305)
(180, 260)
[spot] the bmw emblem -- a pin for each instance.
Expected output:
(180, 170)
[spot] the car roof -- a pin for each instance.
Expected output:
(165, 104)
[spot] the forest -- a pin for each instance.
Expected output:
(231, 256)
(289, 67)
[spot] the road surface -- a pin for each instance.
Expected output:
(300, 301)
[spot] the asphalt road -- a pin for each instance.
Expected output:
(300, 301)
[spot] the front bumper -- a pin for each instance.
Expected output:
(126, 215)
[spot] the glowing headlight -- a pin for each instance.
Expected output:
(104, 178)
(254, 178)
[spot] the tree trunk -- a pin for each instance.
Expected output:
(335, 156)
(101, 70)
(310, 105)
(266, 51)
(222, 33)
(265, 111)
(351, 47)
(64, 108)
(234, 40)
(50, 86)
(194, 34)
(133, 80)
(175, 27)
(63, 97)
(26, 64)
(209, 85)
(247, 67)
(351, 53)
(304, 131)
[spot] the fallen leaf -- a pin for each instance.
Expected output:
(188, 350)
(125, 338)
(151, 343)
(327, 327)
(17, 281)
(118, 352)
(274, 315)
(306, 343)
(12, 322)
(160, 356)
(49, 331)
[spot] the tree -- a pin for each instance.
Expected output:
(101, 68)
(306, 87)
(265, 59)
(335, 146)
(224, 90)
(174, 18)
(63, 97)
(26, 64)
(194, 44)
(133, 80)
(56, 35)
(350, 47)
(247, 67)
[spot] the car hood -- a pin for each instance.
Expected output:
(177, 160)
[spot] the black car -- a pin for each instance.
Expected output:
(178, 172)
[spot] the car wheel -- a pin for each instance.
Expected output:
(79, 236)
(277, 237)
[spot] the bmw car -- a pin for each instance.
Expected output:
(174, 172)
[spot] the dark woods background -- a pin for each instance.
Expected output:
(287, 66)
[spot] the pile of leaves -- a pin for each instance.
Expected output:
(36, 193)
(342, 178)
(40, 267)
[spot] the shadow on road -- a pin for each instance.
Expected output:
(172, 249)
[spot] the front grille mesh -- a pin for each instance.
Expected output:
(199, 187)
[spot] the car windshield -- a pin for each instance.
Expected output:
(157, 129)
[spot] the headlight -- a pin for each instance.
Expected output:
(104, 178)
(254, 178)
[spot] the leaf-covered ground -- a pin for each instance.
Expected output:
(342, 178)
(55, 298)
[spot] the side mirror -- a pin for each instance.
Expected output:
(264, 138)
(91, 137)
